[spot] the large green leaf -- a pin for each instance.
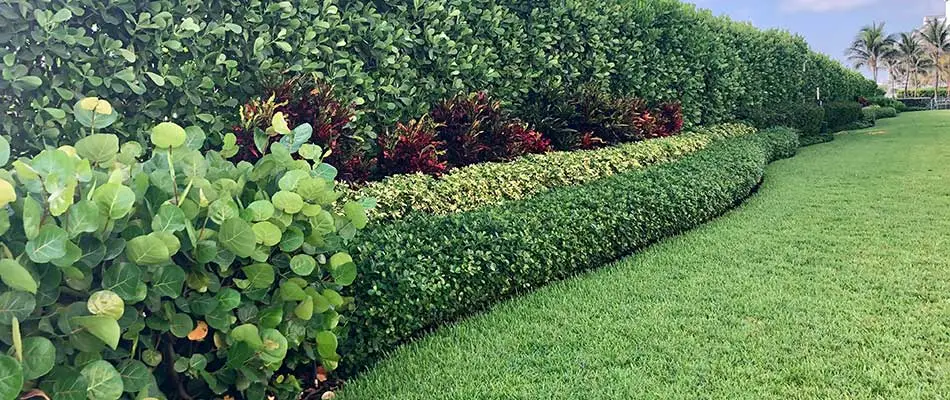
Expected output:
(147, 250)
(48, 245)
(170, 218)
(266, 233)
(11, 377)
(17, 305)
(104, 382)
(275, 347)
(181, 324)
(259, 275)
(169, 282)
(249, 334)
(261, 210)
(135, 375)
(303, 264)
(107, 303)
(343, 269)
(39, 357)
(356, 214)
(63, 383)
(326, 344)
(98, 148)
(288, 202)
(238, 236)
(32, 216)
(16, 276)
(122, 278)
(83, 217)
(168, 135)
(103, 327)
(4, 151)
(114, 200)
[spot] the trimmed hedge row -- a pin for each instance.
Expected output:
(197, 61)
(487, 184)
(426, 270)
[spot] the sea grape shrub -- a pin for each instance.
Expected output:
(412, 147)
(173, 273)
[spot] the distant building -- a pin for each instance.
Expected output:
(945, 17)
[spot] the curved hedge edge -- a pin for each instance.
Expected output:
(490, 184)
(426, 271)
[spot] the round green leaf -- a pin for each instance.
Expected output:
(7, 193)
(147, 250)
(169, 282)
(326, 344)
(274, 347)
(103, 327)
(261, 210)
(259, 275)
(107, 303)
(104, 382)
(181, 324)
(238, 236)
(247, 333)
(288, 202)
(63, 383)
(98, 148)
(168, 135)
(266, 233)
(11, 377)
(16, 276)
(39, 357)
(122, 278)
(356, 214)
(342, 268)
(304, 310)
(48, 245)
(83, 217)
(303, 264)
(135, 375)
(114, 200)
(17, 305)
(170, 218)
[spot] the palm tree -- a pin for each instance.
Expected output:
(935, 36)
(910, 54)
(870, 47)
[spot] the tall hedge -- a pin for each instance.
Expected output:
(426, 270)
(197, 60)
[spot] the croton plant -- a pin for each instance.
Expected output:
(158, 270)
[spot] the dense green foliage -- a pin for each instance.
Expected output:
(808, 119)
(888, 102)
(198, 61)
(884, 112)
(841, 114)
(183, 273)
(426, 270)
(481, 185)
(827, 284)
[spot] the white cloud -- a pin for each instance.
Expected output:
(823, 5)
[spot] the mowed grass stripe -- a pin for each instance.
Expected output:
(832, 282)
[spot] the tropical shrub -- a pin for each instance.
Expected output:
(481, 185)
(475, 129)
(807, 118)
(885, 112)
(842, 114)
(888, 102)
(199, 61)
(427, 270)
(412, 147)
(136, 274)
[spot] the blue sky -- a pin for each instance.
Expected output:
(828, 25)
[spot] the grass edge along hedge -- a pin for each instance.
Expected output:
(487, 184)
(426, 270)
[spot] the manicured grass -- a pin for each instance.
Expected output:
(832, 282)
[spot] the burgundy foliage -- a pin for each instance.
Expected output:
(412, 147)
(669, 119)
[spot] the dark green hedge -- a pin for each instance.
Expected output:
(195, 61)
(425, 270)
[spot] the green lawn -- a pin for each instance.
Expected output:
(832, 282)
